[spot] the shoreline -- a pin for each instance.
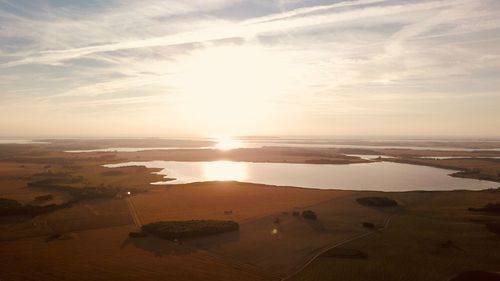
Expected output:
(461, 172)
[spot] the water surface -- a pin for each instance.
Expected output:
(235, 143)
(20, 141)
(134, 149)
(382, 176)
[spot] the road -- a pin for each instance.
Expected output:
(133, 212)
(328, 248)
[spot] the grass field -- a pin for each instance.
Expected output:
(108, 254)
(431, 235)
(256, 208)
(434, 239)
(210, 200)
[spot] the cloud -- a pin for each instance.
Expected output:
(276, 23)
(347, 58)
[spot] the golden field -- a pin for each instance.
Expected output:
(89, 239)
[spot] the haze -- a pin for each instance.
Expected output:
(154, 68)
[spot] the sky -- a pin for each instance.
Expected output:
(256, 67)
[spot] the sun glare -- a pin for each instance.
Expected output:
(230, 88)
(227, 143)
(224, 171)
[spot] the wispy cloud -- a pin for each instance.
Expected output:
(246, 29)
(336, 57)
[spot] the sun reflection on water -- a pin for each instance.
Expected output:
(225, 171)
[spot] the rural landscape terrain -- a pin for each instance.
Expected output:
(64, 216)
(250, 140)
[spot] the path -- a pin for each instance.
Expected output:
(133, 212)
(328, 248)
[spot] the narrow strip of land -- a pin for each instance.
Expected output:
(133, 212)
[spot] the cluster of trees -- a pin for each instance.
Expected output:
(45, 197)
(8, 203)
(137, 234)
(188, 229)
(477, 275)
(494, 227)
(9, 207)
(54, 179)
(377, 202)
(90, 192)
(63, 182)
(477, 174)
(369, 225)
(488, 208)
(309, 214)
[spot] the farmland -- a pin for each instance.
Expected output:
(437, 234)
(275, 240)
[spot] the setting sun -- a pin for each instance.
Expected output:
(227, 143)
(232, 88)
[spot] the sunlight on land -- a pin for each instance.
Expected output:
(224, 171)
(227, 143)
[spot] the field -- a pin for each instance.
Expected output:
(296, 238)
(211, 200)
(256, 208)
(434, 239)
(108, 254)
(89, 239)
(419, 232)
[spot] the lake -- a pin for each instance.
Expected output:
(381, 176)
(20, 141)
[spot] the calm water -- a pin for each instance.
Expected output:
(134, 149)
(459, 157)
(285, 143)
(383, 176)
(373, 157)
(328, 145)
(20, 141)
(259, 145)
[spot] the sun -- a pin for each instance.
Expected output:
(229, 88)
(228, 143)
